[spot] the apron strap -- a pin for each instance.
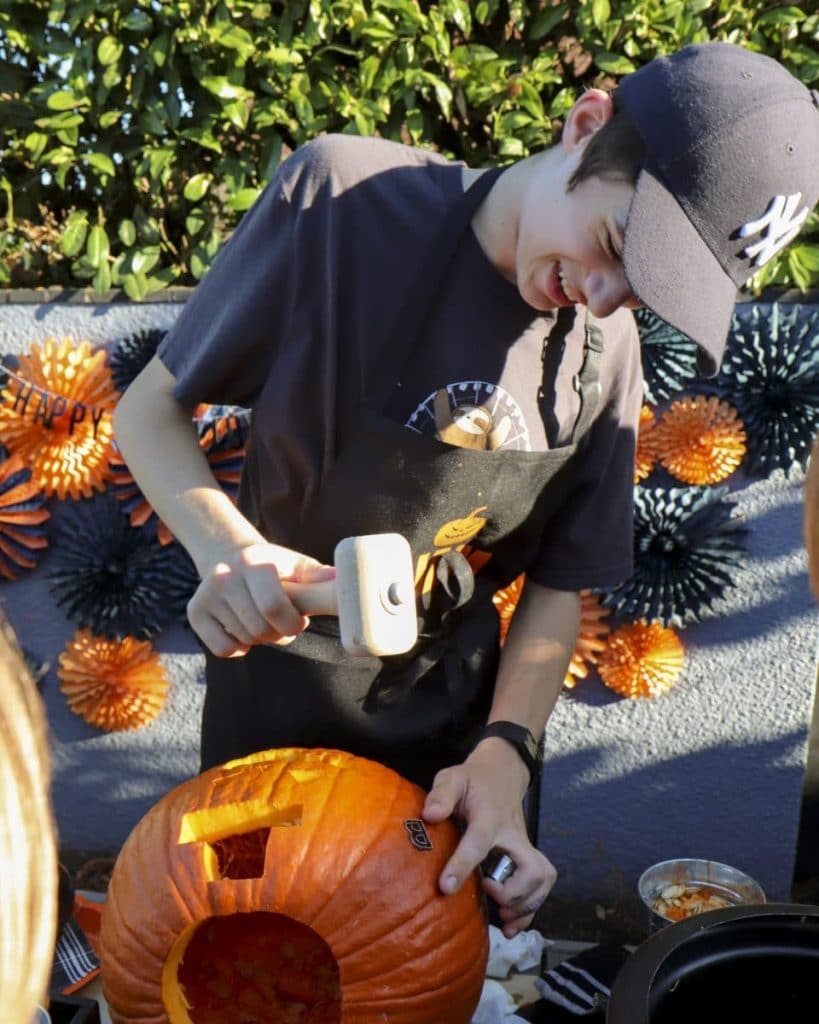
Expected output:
(587, 382)
(425, 288)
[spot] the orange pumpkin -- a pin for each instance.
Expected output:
(291, 887)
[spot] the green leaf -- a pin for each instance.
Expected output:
(70, 136)
(97, 248)
(196, 187)
(109, 50)
(35, 143)
(601, 12)
(127, 232)
(544, 21)
(194, 224)
(144, 261)
(225, 89)
(234, 37)
(244, 198)
(203, 137)
(613, 63)
(199, 263)
(808, 255)
(102, 279)
(74, 232)
(137, 21)
(101, 162)
(781, 15)
(64, 99)
(135, 286)
(109, 118)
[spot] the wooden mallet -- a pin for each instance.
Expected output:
(373, 595)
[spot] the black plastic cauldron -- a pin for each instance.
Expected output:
(744, 963)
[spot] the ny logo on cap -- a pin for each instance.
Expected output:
(782, 223)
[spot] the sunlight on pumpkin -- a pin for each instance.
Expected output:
(257, 966)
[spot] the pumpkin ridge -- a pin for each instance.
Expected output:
(307, 849)
(385, 823)
(439, 960)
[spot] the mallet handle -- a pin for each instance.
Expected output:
(313, 598)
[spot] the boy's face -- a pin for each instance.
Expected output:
(569, 246)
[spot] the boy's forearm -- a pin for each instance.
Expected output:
(536, 656)
(159, 444)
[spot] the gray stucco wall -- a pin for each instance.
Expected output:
(713, 769)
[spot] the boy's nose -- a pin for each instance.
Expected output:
(608, 292)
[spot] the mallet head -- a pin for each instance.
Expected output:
(375, 593)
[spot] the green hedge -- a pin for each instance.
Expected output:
(133, 133)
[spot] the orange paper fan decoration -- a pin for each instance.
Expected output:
(590, 638)
(55, 412)
(700, 440)
(646, 455)
(592, 628)
(22, 518)
(114, 685)
(641, 659)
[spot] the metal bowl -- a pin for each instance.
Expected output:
(730, 883)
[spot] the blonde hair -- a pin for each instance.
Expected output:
(28, 851)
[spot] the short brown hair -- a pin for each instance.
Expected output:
(614, 153)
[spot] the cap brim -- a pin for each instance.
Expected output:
(673, 272)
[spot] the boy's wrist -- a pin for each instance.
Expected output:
(519, 739)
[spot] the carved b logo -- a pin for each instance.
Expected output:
(419, 837)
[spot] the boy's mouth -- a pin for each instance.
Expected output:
(559, 287)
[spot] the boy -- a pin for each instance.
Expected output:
(419, 343)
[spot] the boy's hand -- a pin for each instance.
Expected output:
(241, 602)
(486, 793)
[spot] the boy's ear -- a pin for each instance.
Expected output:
(588, 115)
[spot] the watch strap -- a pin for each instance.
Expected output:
(521, 739)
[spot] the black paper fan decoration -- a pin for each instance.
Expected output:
(770, 373)
(129, 357)
(183, 579)
(669, 358)
(687, 544)
(110, 578)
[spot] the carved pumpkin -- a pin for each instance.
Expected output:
(291, 887)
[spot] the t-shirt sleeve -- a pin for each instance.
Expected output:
(225, 340)
(589, 541)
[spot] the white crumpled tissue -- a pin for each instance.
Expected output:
(522, 953)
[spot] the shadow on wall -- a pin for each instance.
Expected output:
(693, 795)
(116, 786)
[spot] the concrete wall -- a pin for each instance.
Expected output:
(713, 769)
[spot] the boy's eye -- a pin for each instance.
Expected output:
(608, 245)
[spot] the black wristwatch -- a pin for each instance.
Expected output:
(522, 740)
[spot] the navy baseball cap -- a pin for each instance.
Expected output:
(730, 173)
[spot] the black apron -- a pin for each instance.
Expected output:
(474, 521)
